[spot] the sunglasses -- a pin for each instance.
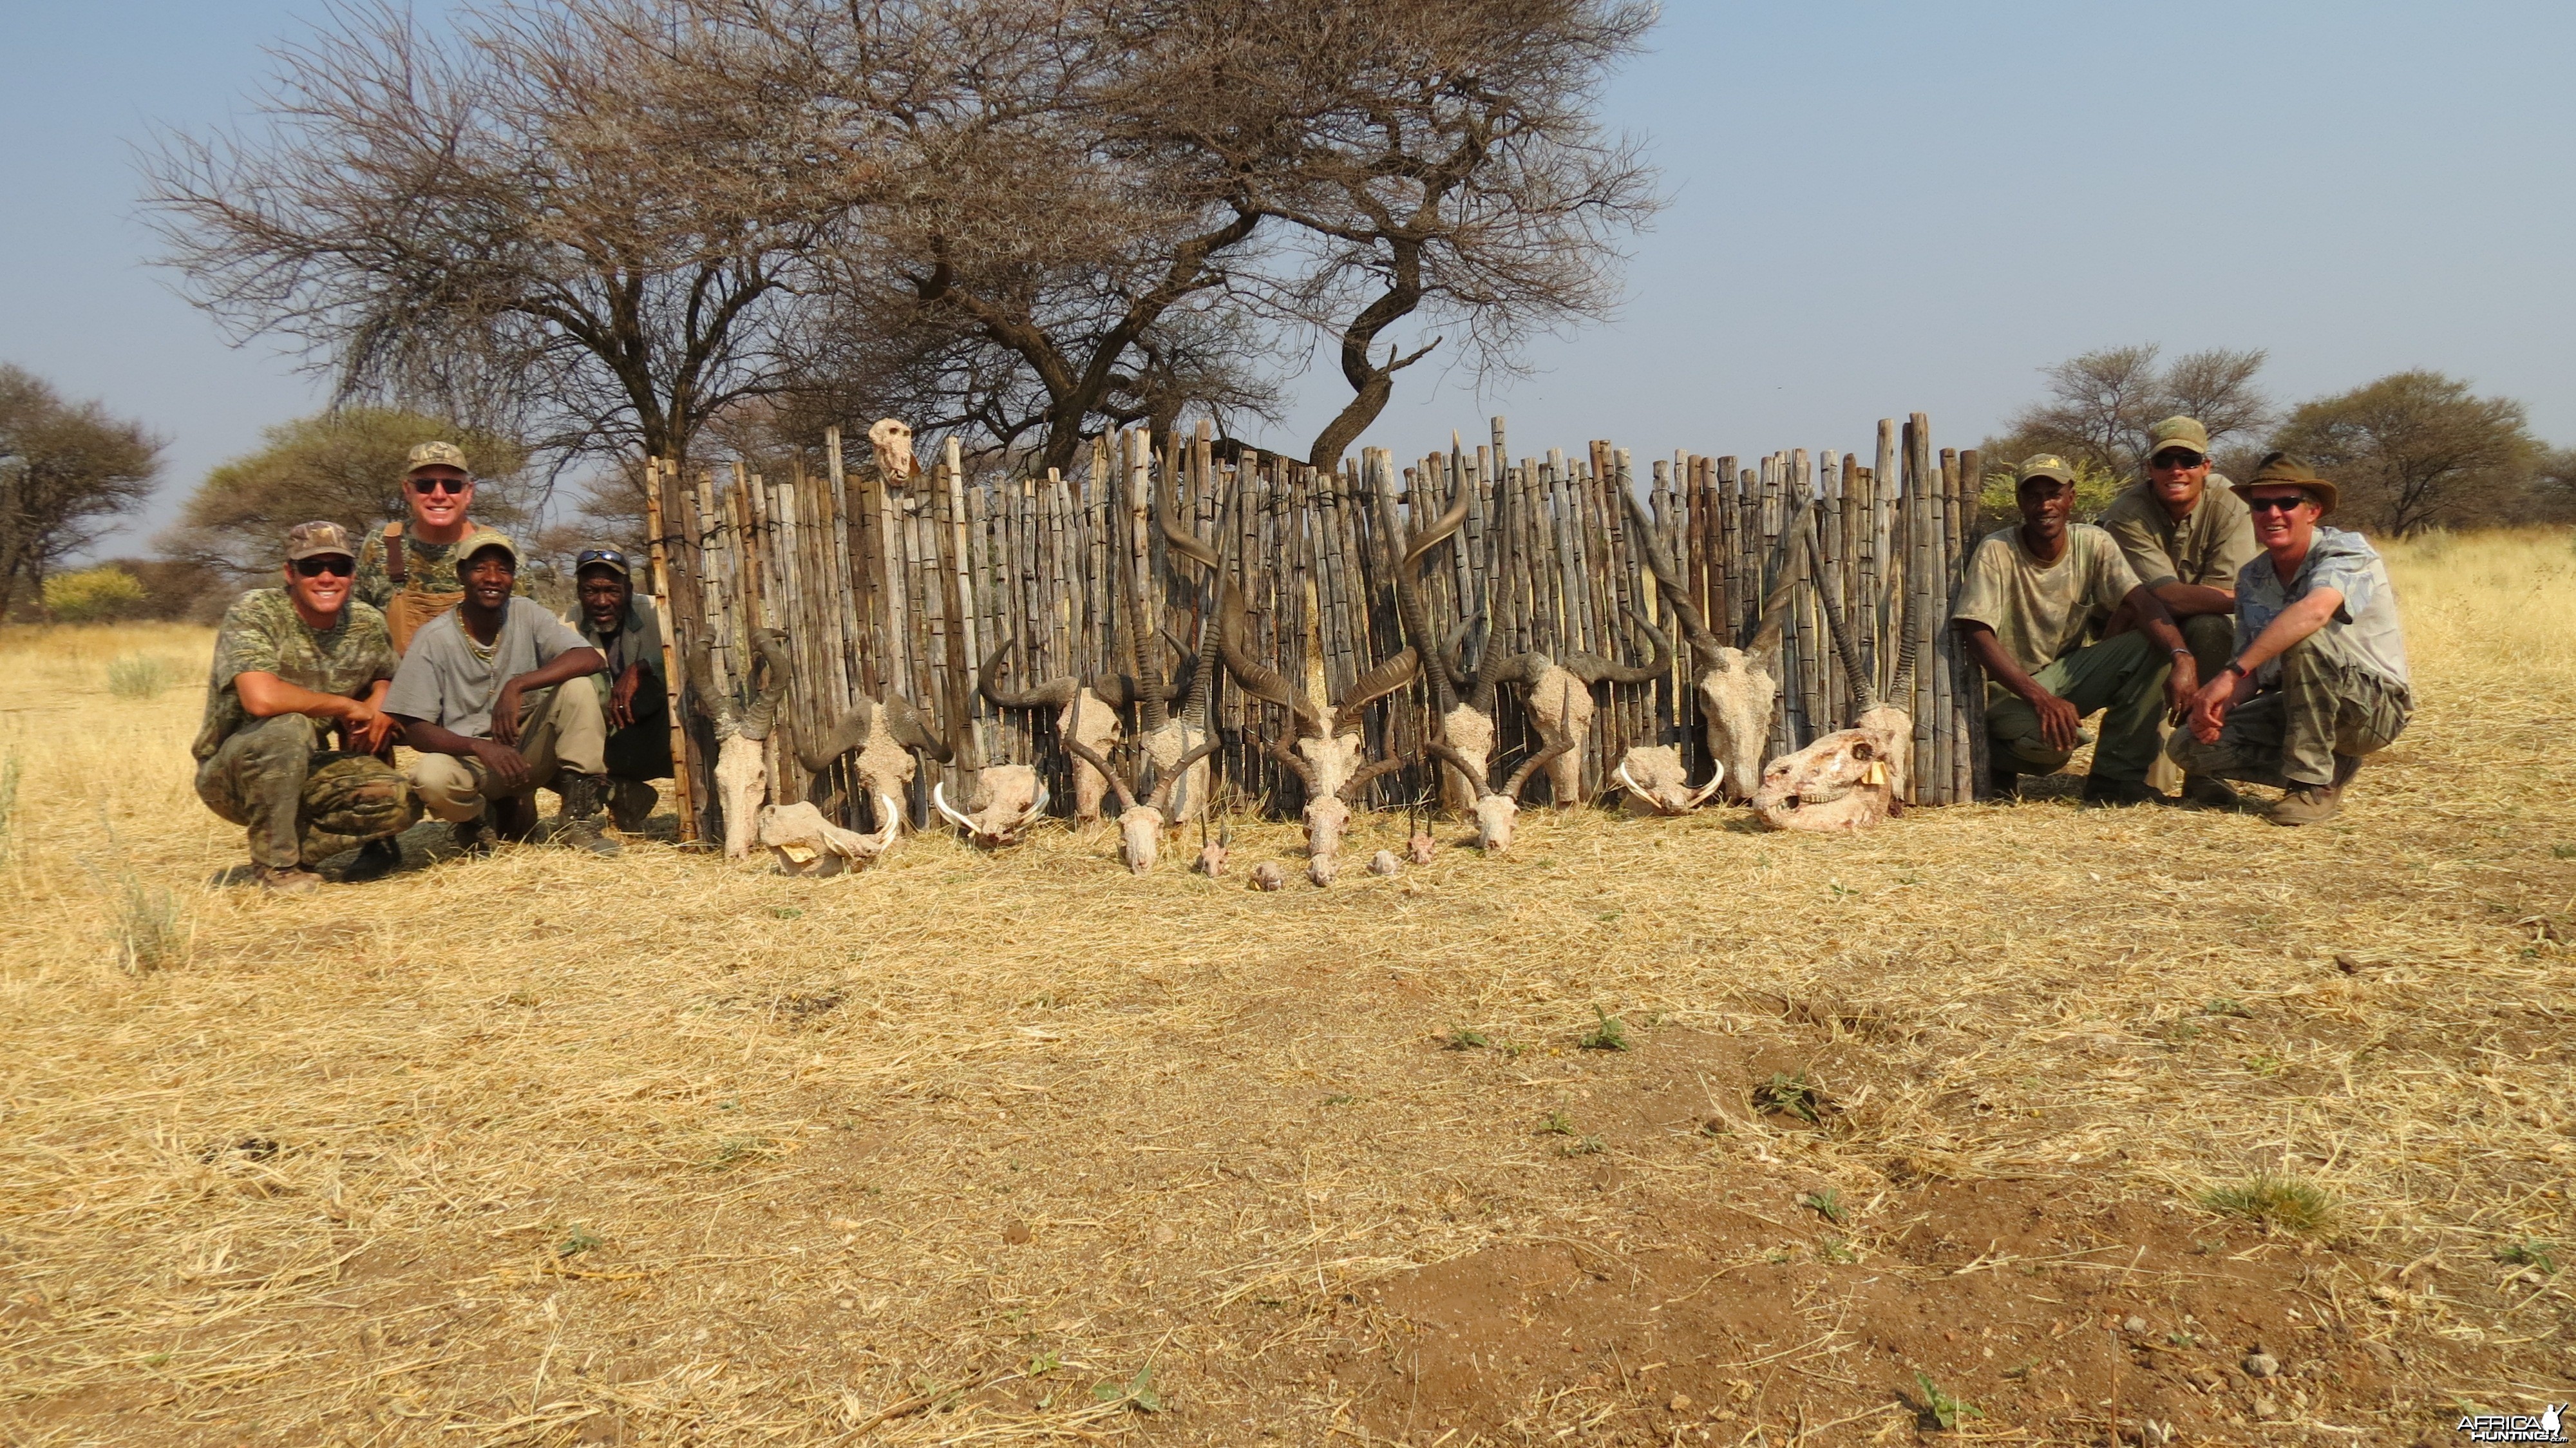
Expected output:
(427, 486)
(590, 556)
(2180, 459)
(2275, 504)
(333, 564)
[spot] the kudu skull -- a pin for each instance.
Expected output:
(1738, 684)
(885, 735)
(741, 775)
(1141, 826)
(1497, 811)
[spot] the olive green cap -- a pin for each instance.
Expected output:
(2178, 432)
(318, 540)
(2045, 465)
(2282, 470)
(482, 538)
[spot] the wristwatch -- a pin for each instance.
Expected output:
(2233, 667)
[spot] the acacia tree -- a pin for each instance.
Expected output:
(1436, 163)
(2417, 450)
(68, 472)
(549, 220)
(2099, 406)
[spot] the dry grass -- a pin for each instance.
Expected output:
(1011, 1148)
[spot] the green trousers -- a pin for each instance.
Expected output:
(2124, 677)
(2291, 734)
(303, 803)
(2212, 637)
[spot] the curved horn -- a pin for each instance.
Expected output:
(1090, 756)
(1161, 798)
(715, 704)
(1694, 624)
(1634, 787)
(1784, 584)
(762, 714)
(1592, 669)
(939, 801)
(1557, 743)
(1362, 777)
(1181, 539)
(1437, 741)
(1408, 592)
(912, 731)
(1714, 781)
(1259, 680)
(848, 732)
(1900, 688)
(1376, 684)
(1053, 694)
(1854, 676)
(1279, 750)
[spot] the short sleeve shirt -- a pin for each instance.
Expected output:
(2364, 631)
(450, 680)
(2039, 610)
(427, 568)
(2209, 548)
(261, 634)
(638, 640)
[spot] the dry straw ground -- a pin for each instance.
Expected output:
(1015, 1148)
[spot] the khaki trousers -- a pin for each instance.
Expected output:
(560, 729)
(2291, 734)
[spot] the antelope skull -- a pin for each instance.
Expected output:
(1853, 778)
(1737, 685)
(885, 735)
(741, 776)
(1497, 811)
(1141, 826)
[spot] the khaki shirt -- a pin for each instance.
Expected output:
(2039, 610)
(262, 634)
(2208, 548)
(2364, 632)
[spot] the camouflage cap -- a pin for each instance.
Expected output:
(2178, 432)
(436, 455)
(480, 539)
(2282, 470)
(317, 540)
(2045, 465)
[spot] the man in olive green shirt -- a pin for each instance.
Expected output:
(2025, 602)
(2187, 541)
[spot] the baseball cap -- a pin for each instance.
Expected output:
(2184, 432)
(2283, 470)
(2045, 465)
(482, 538)
(316, 540)
(600, 555)
(436, 455)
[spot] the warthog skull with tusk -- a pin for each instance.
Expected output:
(1852, 778)
(1738, 683)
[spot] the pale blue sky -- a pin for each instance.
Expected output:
(1878, 209)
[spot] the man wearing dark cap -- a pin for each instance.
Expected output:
(409, 570)
(481, 697)
(2025, 601)
(2187, 540)
(622, 625)
(2318, 680)
(293, 664)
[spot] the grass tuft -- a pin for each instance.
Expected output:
(2283, 1203)
(1789, 1095)
(151, 931)
(139, 676)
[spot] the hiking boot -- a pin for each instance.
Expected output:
(2003, 784)
(631, 803)
(376, 859)
(2210, 792)
(2346, 766)
(2100, 791)
(578, 825)
(2306, 804)
(288, 880)
(473, 837)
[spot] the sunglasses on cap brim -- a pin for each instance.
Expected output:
(609, 556)
(338, 565)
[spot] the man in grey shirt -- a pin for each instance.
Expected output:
(2319, 677)
(622, 625)
(479, 700)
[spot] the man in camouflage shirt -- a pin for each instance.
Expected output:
(409, 571)
(290, 664)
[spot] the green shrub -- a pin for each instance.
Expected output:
(93, 595)
(136, 676)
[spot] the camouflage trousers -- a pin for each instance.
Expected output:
(303, 802)
(2291, 734)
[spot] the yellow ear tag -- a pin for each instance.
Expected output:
(1877, 773)
(800, 852)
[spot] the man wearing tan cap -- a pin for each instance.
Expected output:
(410, 572)
(2024, 604)
(293, 664)
(2319, 678)
(2187, 540)
(482, 696)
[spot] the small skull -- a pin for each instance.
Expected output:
(892, 443)
(1384, 863)
(1268, 876)
(1421, 849)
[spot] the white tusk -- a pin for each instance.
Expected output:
(889, 819)
(1714, 781)
(1634, 788)
(1038, 809)
(939, 800)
